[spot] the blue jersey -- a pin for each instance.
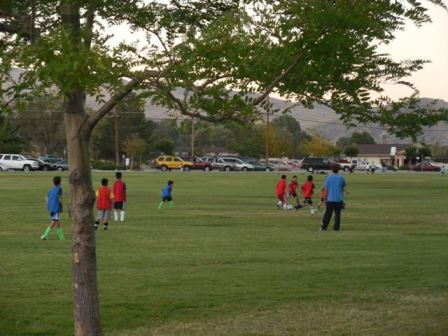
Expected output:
(166, 191)
(53, 199)
(335, 187)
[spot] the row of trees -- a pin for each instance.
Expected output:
(37, 128)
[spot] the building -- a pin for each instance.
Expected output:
(381, 154)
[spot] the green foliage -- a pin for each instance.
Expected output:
(308, 51)
(355, 139)
(165, 146)
(351, 151)
(10, 140)
(440, 152)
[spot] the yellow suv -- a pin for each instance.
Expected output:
(166, 162)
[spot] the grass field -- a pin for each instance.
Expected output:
(224, 261)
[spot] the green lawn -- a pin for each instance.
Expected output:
(224, 261)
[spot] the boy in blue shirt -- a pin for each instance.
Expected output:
(335, 185)
(166, 195)
(54, 205)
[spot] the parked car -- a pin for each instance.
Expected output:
(238, 164)
(279, 164)
(218, 163)
(3, 167)
(425, 167)
(45, 166)
(259, 165)
(361, 164)
(312, 164)
(61, 165)
(198, 163)
(18, 162)
(295, 164)
(346, 164)
(167, 162)
(50, 158)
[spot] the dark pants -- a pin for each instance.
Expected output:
(330, 207)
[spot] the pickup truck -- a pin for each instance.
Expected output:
(346, 165)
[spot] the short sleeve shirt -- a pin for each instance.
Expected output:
(53, 196)
(335, 187)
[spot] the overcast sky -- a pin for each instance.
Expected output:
(429, 42)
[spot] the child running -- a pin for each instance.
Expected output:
(54, 205)
(292, 189)
(280, 191)
(307, 191)
(166, 195)
(103, 204)
(119, 192)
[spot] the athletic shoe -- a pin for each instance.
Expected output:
(43, 237)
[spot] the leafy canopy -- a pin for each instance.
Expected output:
(219, 60)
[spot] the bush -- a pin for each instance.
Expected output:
(106, 165)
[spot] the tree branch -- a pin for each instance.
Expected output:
(111, 103)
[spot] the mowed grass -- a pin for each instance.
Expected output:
(224, 261)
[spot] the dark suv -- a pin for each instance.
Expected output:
(315, 163)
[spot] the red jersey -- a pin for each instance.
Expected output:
(293, 188)
(119, 190)
(307, 189)
(281, 187)
(104, 201)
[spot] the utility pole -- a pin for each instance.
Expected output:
(116, 117)
(267, 136)
(192, 136)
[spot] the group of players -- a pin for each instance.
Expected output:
(285, 191)
(106, 200)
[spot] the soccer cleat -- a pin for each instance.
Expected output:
(43, 237)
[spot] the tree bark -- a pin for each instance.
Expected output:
(82, 199)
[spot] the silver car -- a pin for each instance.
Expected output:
(238, 164)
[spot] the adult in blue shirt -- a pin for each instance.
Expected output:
(334, 184)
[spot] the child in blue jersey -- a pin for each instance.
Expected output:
(54, 205)
(166, 195)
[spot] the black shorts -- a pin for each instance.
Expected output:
(308, 201)
(167, 198)
(118, 205)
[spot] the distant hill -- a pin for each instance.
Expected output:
(321, 119)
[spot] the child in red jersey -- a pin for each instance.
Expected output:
(280, 191)
(292, 190)
(103, 203)
(308, 190)
(119, 190)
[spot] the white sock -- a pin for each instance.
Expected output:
(122, 215)
(116, 215)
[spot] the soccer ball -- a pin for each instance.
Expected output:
(313, 211)
(289, 207)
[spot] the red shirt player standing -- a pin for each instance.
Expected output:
(103, 204)
(119, 190)
(308, 190)
(280, 191)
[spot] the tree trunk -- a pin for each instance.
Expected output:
(82, 199)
